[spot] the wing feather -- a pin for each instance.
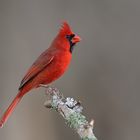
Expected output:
(40, 64)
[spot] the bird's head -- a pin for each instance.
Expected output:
(70, 37)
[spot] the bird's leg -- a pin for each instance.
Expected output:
(43, 85)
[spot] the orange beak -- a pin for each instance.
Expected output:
(76, 39)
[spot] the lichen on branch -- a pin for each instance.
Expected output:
(71, 111)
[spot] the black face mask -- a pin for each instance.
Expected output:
(69, 37)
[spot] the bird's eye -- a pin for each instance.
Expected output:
(70, 36)
(67, 36)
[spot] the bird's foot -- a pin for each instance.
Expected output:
(45, 86)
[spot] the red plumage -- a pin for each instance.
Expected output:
(49, 66)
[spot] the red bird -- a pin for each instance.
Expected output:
(49, 66)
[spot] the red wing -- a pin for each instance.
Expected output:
(42, 62)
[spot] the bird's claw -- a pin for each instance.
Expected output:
(45, 86)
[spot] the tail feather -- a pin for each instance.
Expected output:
(11, 108)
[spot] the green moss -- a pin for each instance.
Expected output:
(54, 106)
(75, 120)
(86, 138)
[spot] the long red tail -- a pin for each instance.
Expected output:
(11, 108)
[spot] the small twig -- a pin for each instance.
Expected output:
(70, 110)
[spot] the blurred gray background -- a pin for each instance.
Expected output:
(104, 73)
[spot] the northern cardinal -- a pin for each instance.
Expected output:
(49, 66)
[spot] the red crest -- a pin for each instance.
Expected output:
(65, 29)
